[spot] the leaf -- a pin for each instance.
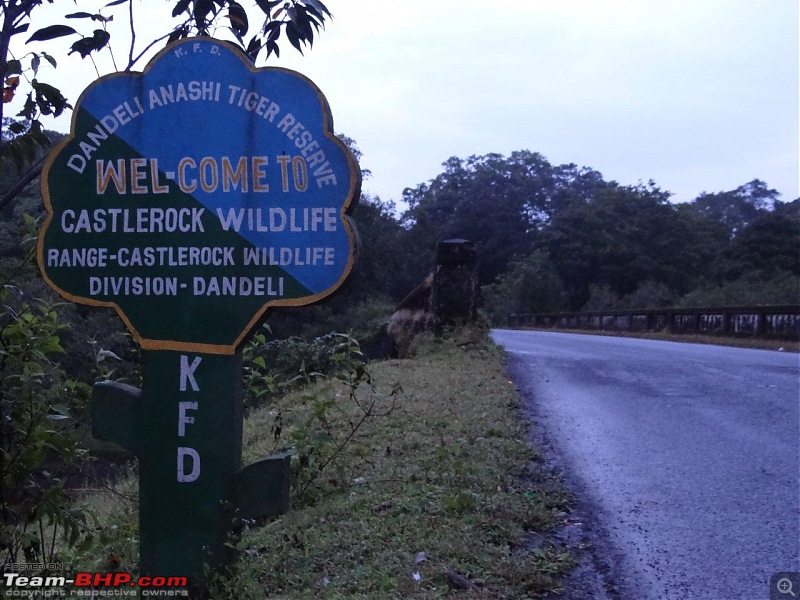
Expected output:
(60, 409)
(319, 6)
(304, 25)
(274, 35)
(50, 33)
(176, 35)
(35, 61)
(253, 48)
(79, 15)
(201, 10)
(51, 344)
(20, 29)
(103, 354)
(294, 37)
(49, 99)
(115, 2)
(180, 7)
(30, 222)
(238, 18)
(86, 45)
(13, 67)
(49, 59)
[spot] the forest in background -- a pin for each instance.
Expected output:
(562, 238)
(549, 238)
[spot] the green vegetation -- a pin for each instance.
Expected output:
(39, 411)
(561, 238)
(416, 466)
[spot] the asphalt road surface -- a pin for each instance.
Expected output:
(687, 457)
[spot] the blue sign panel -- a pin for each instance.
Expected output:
(197, 194)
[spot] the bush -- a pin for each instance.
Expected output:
(531, 285)
(39, 413)
(276, 365)
(750, 290)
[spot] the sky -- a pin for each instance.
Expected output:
(697, 95)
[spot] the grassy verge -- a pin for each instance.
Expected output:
(445, 476)
(437, 494)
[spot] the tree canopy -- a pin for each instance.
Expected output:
(559, 237)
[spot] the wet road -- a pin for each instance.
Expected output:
(687, 457)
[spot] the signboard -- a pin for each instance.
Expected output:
(192, 197)
(197, 194)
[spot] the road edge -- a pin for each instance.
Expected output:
(593, 576)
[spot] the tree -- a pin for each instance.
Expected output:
(493, 201)
(626, 236)
(768, 244)
(531, 285)
(736, 208)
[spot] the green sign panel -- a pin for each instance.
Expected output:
(197, 194)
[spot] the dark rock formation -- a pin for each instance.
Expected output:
(447, 297)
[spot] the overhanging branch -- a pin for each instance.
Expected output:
(22, 183)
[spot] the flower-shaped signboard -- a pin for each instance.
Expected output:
(197, 194)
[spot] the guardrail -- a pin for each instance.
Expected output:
(755, 321)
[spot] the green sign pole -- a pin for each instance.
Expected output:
(192, 198)
(185, 427)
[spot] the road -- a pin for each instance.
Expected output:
(686, 456)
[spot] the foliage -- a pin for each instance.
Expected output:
(768, 244)
(113, 506)
(279, 364)
(315, 435)
(39, 409)
(531, 285)
(752, 289)
(498, 203)
(650, 294)
(737, 208)
(601, 297)
(299, 20)
(561, 238)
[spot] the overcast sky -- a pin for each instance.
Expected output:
(698, 95)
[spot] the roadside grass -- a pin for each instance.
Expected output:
(716, 340)
(447, 472)
(438, 494)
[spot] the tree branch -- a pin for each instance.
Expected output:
(22, 183)
(133, 34)
(143, 52)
